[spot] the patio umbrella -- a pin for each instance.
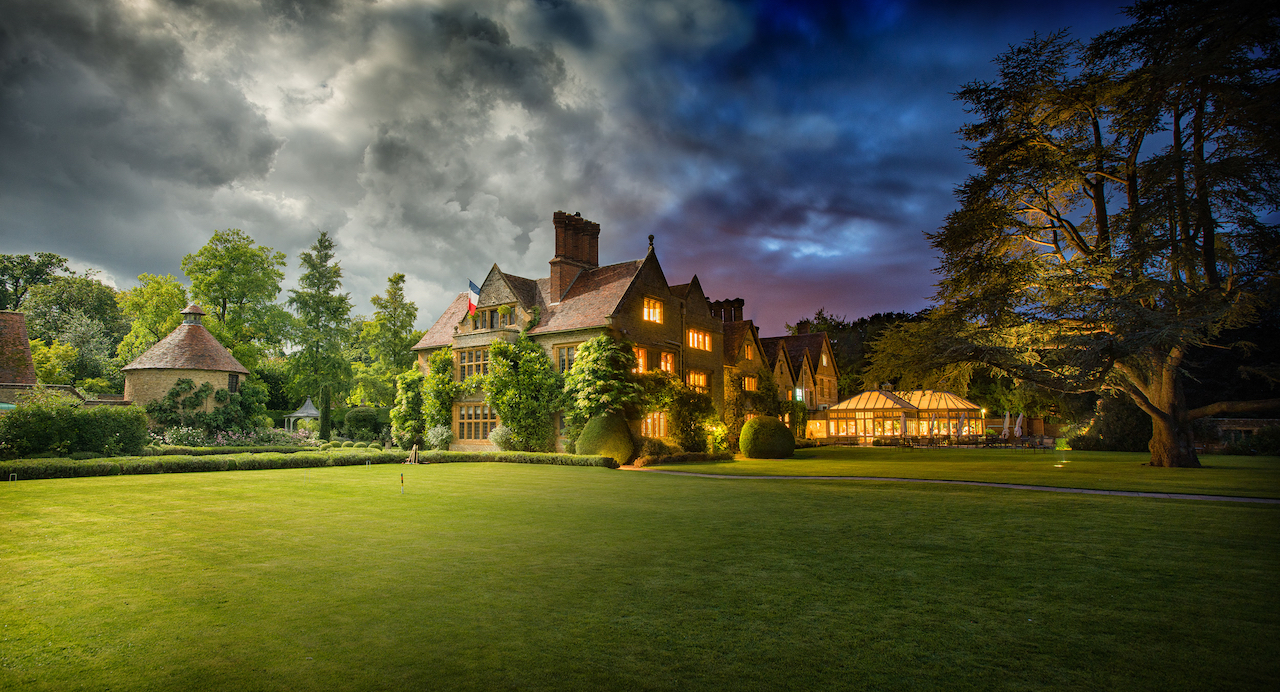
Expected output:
(1017, 427)
(1004, 432)
(960, 428)
(903, 432)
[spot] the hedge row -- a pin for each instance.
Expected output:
(34, 469)
(177, 450)
(443, 457)
(683, 458)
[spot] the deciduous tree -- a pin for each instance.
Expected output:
(153, 309)
(18, 273)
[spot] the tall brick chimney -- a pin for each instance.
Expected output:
(577, 249)
(15, 351)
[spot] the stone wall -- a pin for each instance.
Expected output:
(143, 386)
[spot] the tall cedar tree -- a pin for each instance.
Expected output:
(322, 318)
(1115, 221)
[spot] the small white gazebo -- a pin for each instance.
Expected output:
(308, 410)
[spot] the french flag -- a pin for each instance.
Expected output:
(473, 297)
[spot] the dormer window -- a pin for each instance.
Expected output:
(751, 352)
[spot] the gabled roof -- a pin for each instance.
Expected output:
(773, 348)
(681, 290)
(189, 347)
(874, 400)
(441, 333)
(736, 334)
(810, 344)
(592, 298)
(525, 290)
(930, 400)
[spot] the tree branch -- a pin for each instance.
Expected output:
(1234, 407)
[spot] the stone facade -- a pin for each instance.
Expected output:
(143, 386)
(671, 326)
(189, 351)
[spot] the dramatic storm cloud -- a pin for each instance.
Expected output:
(790, 153)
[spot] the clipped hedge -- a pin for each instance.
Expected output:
(34, 469)
(766, 437)
(178, 450)
(682, 458)
(607, 435)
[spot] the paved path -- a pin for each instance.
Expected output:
(1015, 486)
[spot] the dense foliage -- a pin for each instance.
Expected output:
(238, 411)
(47, 422)
(689, 411)
(525, 391)
(602, 380)
(407, 420)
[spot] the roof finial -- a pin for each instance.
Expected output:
(650, 241)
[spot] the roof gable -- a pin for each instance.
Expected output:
(736, 336)
(441, 333)
(590, 301)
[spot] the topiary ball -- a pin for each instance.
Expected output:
(348, 443)
(326, 446)
(607, 435)
(766, 437)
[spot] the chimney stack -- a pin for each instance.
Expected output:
(577, 250)
(728, 310)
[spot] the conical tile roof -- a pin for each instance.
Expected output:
(189, 347)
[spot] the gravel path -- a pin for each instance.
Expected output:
(1015, 486)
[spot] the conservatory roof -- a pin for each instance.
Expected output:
(874, 400)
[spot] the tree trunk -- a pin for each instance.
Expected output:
(326, 430)
(1172, 444)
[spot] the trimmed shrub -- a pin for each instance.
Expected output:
(348, 443)
(607, 435)
(156, 451)
(501, 438)
(682, 458)
(362, 423)
(766, 437)
(111, 430)
(441, 436)
(326, 446)
(657, 447)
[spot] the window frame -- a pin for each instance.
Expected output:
(651, 308)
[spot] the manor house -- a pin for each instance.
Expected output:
(673, 328)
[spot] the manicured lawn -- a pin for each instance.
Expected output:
(1221, 475)
(506, 576)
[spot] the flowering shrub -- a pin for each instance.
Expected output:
(184, 436)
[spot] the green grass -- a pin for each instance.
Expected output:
(1222, 475)
(505, 576)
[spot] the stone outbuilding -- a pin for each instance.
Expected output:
(191, 352)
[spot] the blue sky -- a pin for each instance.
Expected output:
(789, 153)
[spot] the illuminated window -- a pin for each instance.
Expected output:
(475, 421)
(751, 352)
(564, 357)
(749, 416)
(642, 360)
(824, 359)
(654, 425)
(668, 362)
(700, 340)
(749, 384)
(653, 310)
(698, 380)
(473, 361)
